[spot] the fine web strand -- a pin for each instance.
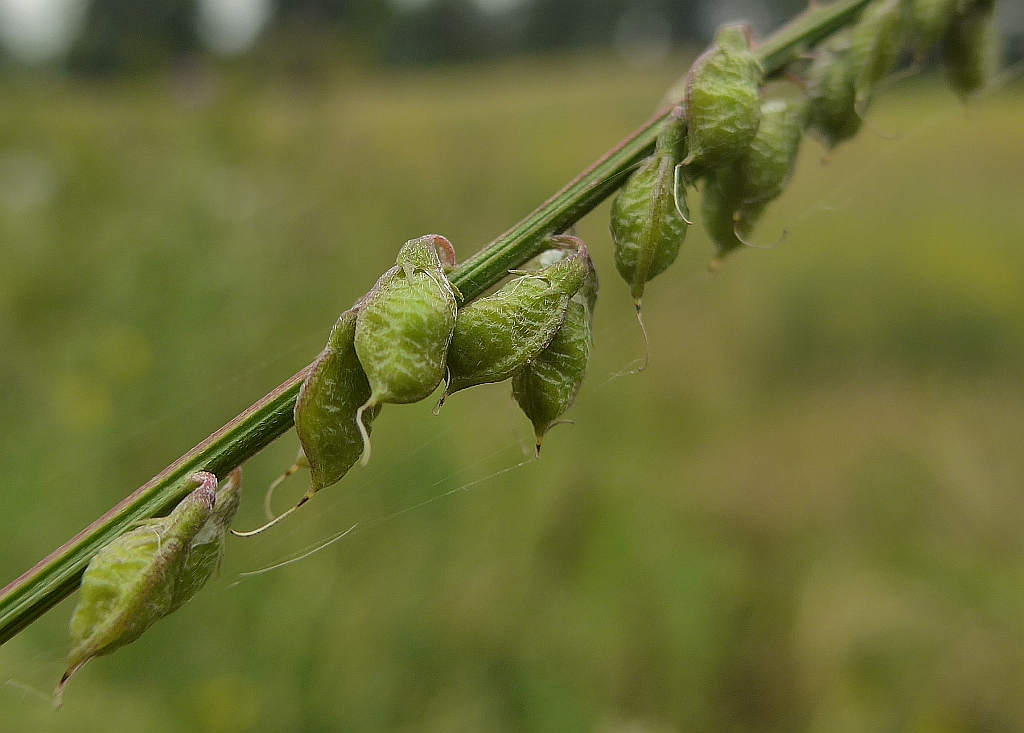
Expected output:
(396, 510)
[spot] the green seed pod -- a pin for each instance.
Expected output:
(132, 582)
(207, 548)
(548, 385)
(325, 410)
(497, 335)
(875, 46)
(727, 219)
(767, 167)
(648, 219)
(971, 47)
(929, 21)
(722, 99)
(404, 326)
(735, 196)
(833, 113)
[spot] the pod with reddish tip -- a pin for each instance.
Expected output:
(404, 324)
(132, 582)
(207, 548)
(649, 216)
(722, 104)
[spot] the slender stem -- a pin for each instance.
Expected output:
(57, 575)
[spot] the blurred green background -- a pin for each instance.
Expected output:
(805, 515)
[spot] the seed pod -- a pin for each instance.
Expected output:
(971, 47)
(929, 21)
(207, 548)
(735, 196)
(647, 219)
(722, 99)
(404, 326)
(499, 334)
(875, 46)
(767, 167)
(548, 385)
(832, 90)
(132, 582)
(325, 410)
(727, 219)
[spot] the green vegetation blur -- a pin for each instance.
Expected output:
(806, 515)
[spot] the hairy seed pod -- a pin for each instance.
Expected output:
(404, 326)
(970, 48)
(207, 548)
(722, 103)
(132, 582)
(929, 21)
(735, 196)
(548, 385)
(647, 219)
(875, 46)
(325, 410)
(832, 93)
(497, 335)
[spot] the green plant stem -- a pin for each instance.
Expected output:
(57, 575)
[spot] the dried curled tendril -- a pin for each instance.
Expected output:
(151, 571)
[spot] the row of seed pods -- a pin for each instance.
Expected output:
(740, 138)
(396, 345)
(409, 333)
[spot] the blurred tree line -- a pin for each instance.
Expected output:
(132, 35)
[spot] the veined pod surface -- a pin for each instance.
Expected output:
(326, 408)
(497, 335)
(875, 46)
(404, 324)
(207, 548)
(929, 21)
(971, 47)
(722, 104)
(132, 582)
(647, 218)
(832, 99)
(735, 196)
(547, 387)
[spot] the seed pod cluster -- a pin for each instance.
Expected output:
(498, 335)
(150, 571)
(735, 197)
(649, 216)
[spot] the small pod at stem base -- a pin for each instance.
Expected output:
(133, 582)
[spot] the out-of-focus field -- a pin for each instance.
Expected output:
(806, 515)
